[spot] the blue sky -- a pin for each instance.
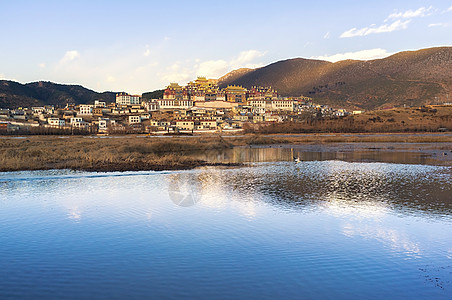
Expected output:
(139, 46)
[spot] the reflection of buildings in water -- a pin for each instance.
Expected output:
(404, 188)
(350, 153)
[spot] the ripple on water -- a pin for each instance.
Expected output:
(320, 229)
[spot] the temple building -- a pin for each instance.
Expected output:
(235, 94)
(207, 90)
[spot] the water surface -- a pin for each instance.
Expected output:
(320, 229)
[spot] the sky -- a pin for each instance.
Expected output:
(141, 46)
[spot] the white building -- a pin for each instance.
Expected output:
(104, 123)
(76, 120)
(85, 109)
(287, 105)
(151, 105)
(257, 103)
(98, 103)
(134, 119)
(174, 104)
(38, 110)
(56, 122)
(126, 99)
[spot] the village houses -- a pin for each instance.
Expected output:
(199, 106)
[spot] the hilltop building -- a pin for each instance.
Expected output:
(126, 99)
(207, 90)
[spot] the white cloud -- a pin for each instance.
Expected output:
(183, 72)
(402, 19)
(70, 56)
(175, 73)
(397, 25)
(449, 9)
(42, 65)
(440, 25)
(327, 35)
(2, 76)
(147, 52)
(245, 59)
(359, 55)
(409, 14)
(213, 68)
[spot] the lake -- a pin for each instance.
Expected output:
(363, 223)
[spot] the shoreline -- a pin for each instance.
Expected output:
(148, 153)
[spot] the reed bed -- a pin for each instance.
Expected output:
(104, 154)
(126, 153)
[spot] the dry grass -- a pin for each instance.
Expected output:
(153, 153)
(422, 119)
(103, 154)
(257, 139)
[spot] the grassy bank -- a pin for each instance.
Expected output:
(397, 120)
(127, 153)
(104, 154)
(320, 138)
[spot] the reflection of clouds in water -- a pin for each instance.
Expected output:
(356, 210)
(183, 189)
(215, 194)
(213, 189)
(365, 211)
(75, 213)
(449, 253)
(210, 188)
(247, 209)
(391, 237)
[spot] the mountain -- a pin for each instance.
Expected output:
(411, 77)
(14, 94)
(157, 94)
(235, 74)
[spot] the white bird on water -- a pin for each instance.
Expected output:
(295, 159)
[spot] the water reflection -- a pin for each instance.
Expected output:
(432, 154)
(353, 189)
(398, 241)
(404, 188)
(269, 229)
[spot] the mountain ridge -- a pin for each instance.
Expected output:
(14, 94)
(416, 77)
(409, 77)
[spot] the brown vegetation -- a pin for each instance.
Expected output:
(130, 153)
(104, 154)
(423, 119)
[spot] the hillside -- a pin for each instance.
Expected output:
(411, 77)
(14, 94)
